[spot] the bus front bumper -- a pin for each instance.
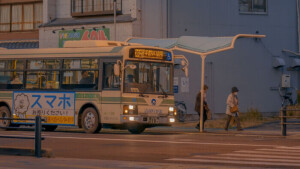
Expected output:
(160, 120)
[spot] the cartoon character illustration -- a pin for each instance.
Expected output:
(21, 105)
(153, 102)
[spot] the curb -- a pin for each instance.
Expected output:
(21, 151)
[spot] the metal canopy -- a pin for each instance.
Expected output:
(194, 44)
(198, 45)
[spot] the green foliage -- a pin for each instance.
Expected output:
(298, 100)
(252, 114)
(293, 113)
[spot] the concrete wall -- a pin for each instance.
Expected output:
(49, 10)
(63, 9)
(154, 18)
(249, 65)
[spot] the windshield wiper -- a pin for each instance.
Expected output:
(164, 93)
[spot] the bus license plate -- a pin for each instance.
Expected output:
(153, 120)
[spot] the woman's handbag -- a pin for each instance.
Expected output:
(234, 109)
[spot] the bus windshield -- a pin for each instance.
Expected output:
(148, 78)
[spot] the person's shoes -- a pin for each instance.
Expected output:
(239, 129)
(197, 127)
(226, 129)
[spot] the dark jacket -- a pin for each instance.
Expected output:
(197, 103)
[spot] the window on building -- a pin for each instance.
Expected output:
(5, 18)
(20, 17)
(94, 7)
(253, 6)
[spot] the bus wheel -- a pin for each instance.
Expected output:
(4, 113)
(136, 129)
(50, 127)
(90, 121)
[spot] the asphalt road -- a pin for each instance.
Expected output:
(168, 148)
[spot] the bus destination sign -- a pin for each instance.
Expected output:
(150, 54)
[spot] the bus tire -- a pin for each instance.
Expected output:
(136, 129)
(50, 127)
(4, 112)
(90, 121)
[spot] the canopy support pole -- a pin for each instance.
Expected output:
(202, 93)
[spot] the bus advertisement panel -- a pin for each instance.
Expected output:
(55, 107)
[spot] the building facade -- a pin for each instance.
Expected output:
(255, 66)
(19, 21)
(86, 19)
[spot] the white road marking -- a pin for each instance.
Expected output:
(260, 156)
(234, 162)
(160, 141)
(281, 150)
(149, 141)
(292, 148)
(266, 152)
(278, 156)
(225, 157)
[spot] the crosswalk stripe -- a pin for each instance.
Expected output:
(291, 151)
(247, 159)
(266, 152)
(262, 156)
(235, 162)
(292, 148)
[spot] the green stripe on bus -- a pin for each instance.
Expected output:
(168, 101)
(112, 99)
(6, 95)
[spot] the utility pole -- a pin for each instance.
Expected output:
(115, 20)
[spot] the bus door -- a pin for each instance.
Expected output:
(111, 93)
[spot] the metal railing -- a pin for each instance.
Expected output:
(38, 137)
(284, 117)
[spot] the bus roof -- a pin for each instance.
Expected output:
(83, 48)
(60, 52)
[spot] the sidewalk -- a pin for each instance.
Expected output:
(270, 129)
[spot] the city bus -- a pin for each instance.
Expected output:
(89, 84)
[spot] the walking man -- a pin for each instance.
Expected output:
(205, 106)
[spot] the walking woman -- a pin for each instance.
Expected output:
(232, 108)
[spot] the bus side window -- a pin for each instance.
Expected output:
(110, 81)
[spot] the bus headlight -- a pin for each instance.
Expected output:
(171, 120)
(130, 109)
(171, 111)
(131, 118)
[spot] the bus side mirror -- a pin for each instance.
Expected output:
(186, 71)
(116, 69)
(184, 64)
(185, 68)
